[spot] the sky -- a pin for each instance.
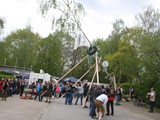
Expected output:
(100, 15)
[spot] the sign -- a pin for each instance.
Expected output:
(105, 64)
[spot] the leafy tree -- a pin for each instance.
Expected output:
(20, 48)
(126, 61)
(149, 20)
(78, 55)
(55, 52)
(149, 50)
(49, 55)
(2, 53)
(69, 16)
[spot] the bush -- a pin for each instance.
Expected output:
(7, 76)
(5, 73)
(126, 86)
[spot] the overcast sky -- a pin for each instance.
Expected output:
(100, 14)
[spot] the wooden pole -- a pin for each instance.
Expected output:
(97, 68)
(78, 80)
(114, 82)
(72, 69)
(60, 97)
(82, 77)
(85, 74)
(91, 83)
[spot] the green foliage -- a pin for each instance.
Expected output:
(126, 86)
(6, 75)
(49, 55)
(20, 48)
(134, 53)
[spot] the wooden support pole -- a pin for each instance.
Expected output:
(114, 82)
(85, 74)
(78, 80)
(72, 69)
(60, 97)
(97, 68)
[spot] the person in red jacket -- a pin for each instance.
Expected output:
(1, 82)
(110, 103)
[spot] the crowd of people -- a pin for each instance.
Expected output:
(100, 97)
(8, 87)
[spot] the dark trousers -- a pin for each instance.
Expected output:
(10, 92)
(42, 95)
(79, 96)
(22, 90)
(92, 109)
(151, 106)
(110, 106)
(39, 95)
(68, 98)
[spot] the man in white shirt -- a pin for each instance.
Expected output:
(100, 102)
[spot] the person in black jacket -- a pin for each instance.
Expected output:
(86, 88)
(22, 86)
(110, 103)
(94, 93)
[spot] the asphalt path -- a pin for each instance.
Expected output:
(17, 109)
(126, 111)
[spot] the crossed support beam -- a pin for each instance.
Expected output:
(98, 60)
(96, 64)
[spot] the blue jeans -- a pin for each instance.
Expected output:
(71, 98)
(79, 95)
(117, 98)
(151, 106)
(10, 92)
(68, 98)
(92, 109)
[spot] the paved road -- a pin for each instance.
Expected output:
(17, 109)
(59, 111)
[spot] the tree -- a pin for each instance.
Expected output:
(114, 38)
(2, 53)
(149, 20)
(49, 55)
(78, 55)
(55, 53)
(124, 60)
(66, 20)
(149, 50)
(20, 48)
(69, 16)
